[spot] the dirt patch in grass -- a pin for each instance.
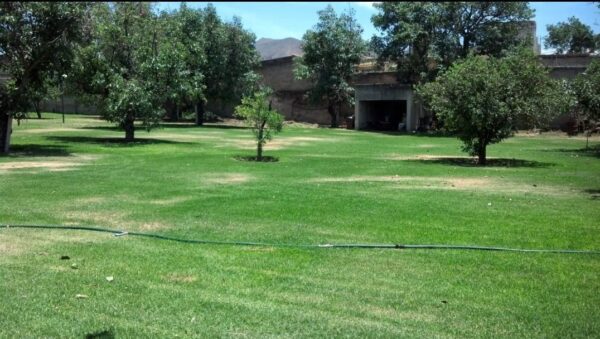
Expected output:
(48, 130)
(90, 200)
(152, 226)
(425, 146)
(50, 164)
(414, 181)
(184, 136)
(278, 142)
(105, 218)
(169, 201)
(487, 185)
(16, 241)
(180, 278)
(228, 178)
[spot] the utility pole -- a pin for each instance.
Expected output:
(62, 96)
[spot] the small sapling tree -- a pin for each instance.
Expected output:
(481, 99)
(256, 110)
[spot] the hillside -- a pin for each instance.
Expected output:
(278, 48)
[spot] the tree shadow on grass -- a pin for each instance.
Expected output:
(35, 150)
(592, 151)
(431, 134)
(495, 162)
(193, 125)
(117, 142)
(253, 158)
(594, 193)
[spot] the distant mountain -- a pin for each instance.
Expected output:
(278, 48)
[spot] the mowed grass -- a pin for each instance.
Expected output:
(329, 186)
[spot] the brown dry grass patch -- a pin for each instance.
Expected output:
(229, 178)
(49, 130)
(16, 241)
(105, 218)
(180, 278)
(49, 164)
(152, 226)
(487, 185)
(276, 144)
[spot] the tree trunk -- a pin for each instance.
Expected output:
(259, 151)
(38, 111)
(481, 161)
(334, 115)
(171, 111)
(129, 129)
(260, 142)
(5, 132)
(199, 108)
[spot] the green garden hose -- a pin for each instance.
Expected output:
(244, 243)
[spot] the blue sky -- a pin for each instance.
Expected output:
(291, 19)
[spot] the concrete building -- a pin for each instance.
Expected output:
(381, 102)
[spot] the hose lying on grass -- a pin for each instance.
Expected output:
(244, 243)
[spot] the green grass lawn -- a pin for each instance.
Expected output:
(329, 186)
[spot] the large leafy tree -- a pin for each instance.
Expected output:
(571, 37)
(424, 38)
(36, 42)
(482, 99)
(220, 57)
(188, 29)
(118, 69)
(242, 59)
(176, 79)
(332, 51)
(587, 92)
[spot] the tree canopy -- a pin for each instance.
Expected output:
(482, 99)
(36, 44)
(571, 37)
(424, 38)
(119, 67)
(332, 51)
(586, 88)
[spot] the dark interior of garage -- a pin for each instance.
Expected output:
(385, 115)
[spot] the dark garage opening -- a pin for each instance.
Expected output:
(384, 115)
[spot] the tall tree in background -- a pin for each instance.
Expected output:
(571, 37)
(587, 92)
(118, 68)
(175, 77)
(332, 51)
(214, 67)
(242, 59)
(481, 99)
(423, 38)
(36, 41)
(190, 33)
(231, 60)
